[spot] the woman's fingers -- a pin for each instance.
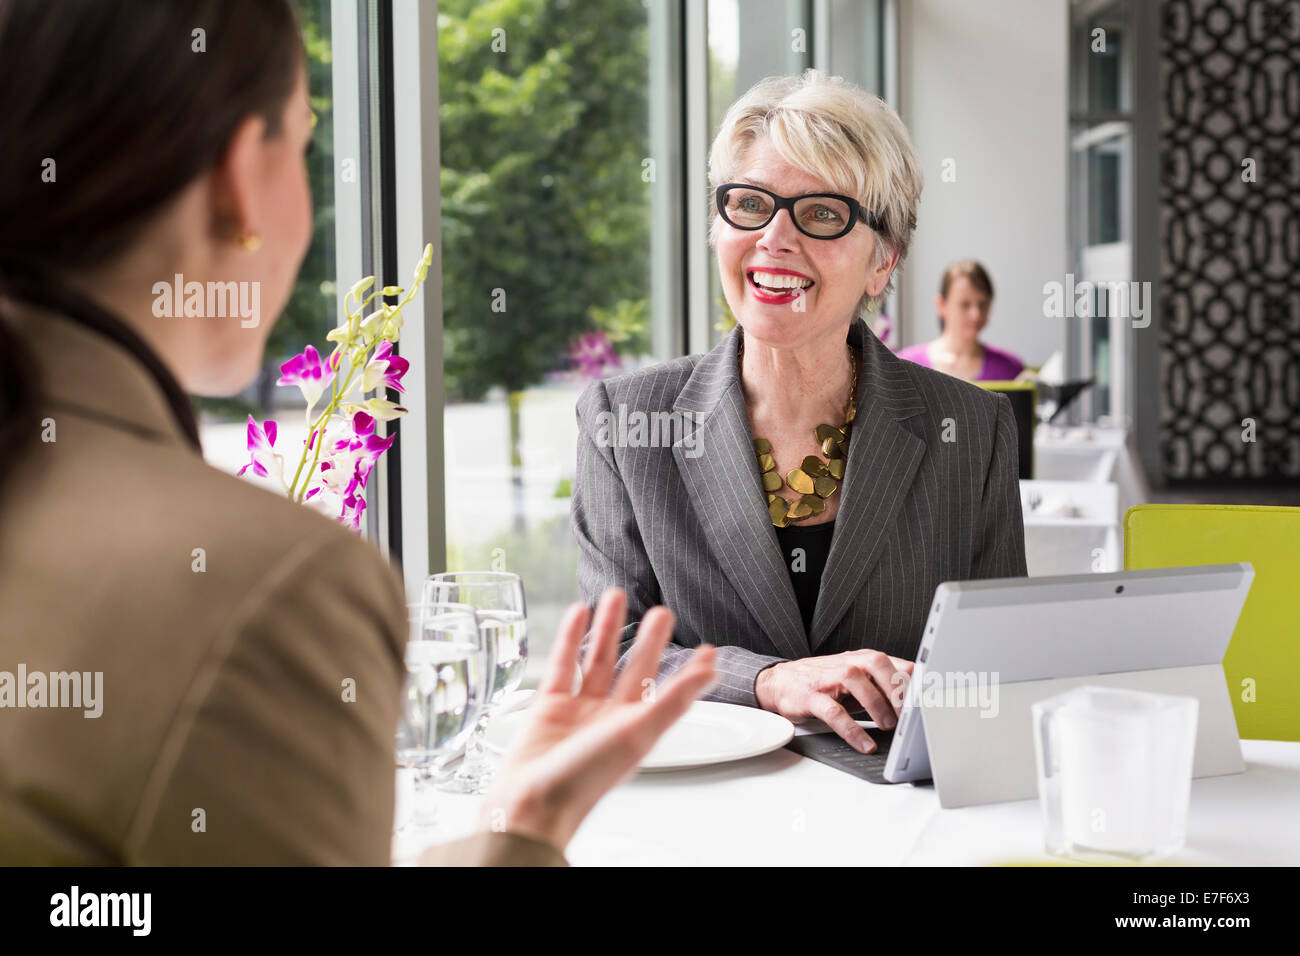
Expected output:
(903, 665)
(898, 691)
(675, 696)
(882, 671)
(609, 742)
(642, 665)
(866, 693)
(563, 662)
(602, 652)
(828, 710)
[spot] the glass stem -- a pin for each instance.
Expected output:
(474, 761)
(425, 812)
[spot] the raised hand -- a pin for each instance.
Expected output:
(577, 746)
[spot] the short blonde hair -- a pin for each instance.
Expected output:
(830, 129)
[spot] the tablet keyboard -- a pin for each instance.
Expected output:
(834, 751)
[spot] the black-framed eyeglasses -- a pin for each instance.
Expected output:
(817, 215)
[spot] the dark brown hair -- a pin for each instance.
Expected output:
(111, 108)
(965, 269)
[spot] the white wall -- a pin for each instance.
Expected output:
(984, 82)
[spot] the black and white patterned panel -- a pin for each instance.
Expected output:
(1230, 330)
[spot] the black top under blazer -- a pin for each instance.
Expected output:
(930, 494)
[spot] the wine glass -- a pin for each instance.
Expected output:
(448, 678)
(498, 600)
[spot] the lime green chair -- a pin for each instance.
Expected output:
(1263, 659)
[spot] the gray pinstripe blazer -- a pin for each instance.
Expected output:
(685, 523)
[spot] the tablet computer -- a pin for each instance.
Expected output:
(991, 647)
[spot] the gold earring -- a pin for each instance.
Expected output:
(249, 242)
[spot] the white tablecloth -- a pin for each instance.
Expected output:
(783, 809)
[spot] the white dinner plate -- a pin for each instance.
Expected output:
(708, 733)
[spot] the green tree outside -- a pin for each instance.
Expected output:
(544, 127)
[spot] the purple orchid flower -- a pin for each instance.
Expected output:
(261, 450)
(593, 355)
(364, 444)
(354, 503)
(385, 368)
(309, 373)
(348, 465)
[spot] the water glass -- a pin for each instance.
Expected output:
(447, 683)
(1114, 772)
(497, 598)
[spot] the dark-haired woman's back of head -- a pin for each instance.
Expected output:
(111, 108)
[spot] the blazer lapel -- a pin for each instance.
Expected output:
(728, 498)
(882, 462)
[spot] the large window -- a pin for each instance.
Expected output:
(548, 181)
(312, 307)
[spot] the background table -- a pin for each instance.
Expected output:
(782, 809)
(1071, 527)
(1091, 453)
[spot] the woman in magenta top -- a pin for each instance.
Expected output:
(965, 294)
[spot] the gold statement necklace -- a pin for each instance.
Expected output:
(815, 479)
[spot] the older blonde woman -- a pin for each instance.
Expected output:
(821, 487)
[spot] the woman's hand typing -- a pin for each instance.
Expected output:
(831, 686)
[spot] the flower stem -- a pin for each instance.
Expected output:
(329, 411)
